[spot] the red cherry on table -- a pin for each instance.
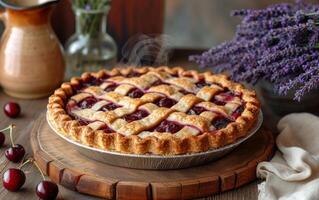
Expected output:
(2, 139)
(47, 190)
(12, 109)
(15, 153)
(13, 179)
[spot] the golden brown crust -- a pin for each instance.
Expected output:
(165, 144)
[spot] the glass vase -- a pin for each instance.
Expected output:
(91, 48)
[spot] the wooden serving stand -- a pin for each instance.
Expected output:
(66, 166)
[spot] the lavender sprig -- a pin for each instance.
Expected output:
(279, 43)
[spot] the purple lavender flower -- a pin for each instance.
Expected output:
(279, 44)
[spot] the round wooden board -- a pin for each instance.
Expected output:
(64, 165)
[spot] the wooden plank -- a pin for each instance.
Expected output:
(190, 189)
(43, 160)
(245, 175)
(209, 186)
(99, 187)
(133, 191)
(228, 181)
(166, 191)
(69, 178)
(55, 171)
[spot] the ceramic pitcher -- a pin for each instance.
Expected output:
(31, 58)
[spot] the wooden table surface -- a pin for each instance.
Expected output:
(31, 109)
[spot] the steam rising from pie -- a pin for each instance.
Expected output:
(149, 50)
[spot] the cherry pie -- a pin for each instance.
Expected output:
(164, 111)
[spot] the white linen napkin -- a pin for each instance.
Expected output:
(293, 173)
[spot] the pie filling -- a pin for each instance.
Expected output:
(165, 102)
(220, 99)
(137, 115)
(135, 93)
(109, 107)
(111, 87)
(168, 127)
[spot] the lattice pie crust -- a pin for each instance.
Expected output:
(164, 111)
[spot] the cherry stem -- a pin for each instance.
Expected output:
(36, 164)
(25, 162)
(10, 128)
(11, 137)
(31, 160)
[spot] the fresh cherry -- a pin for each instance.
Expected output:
(165, 102)
(12, 109)
(13, 179)
(2, 139)
(47, 190)
(15, 153)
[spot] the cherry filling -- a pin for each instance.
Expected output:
(139, 114)
(111, 87)
(165, 102)
(92, 81)
(225, 97)
(202, 83)
(133, 74)
(175, 75)
(238, 111)
(196, 110)
(109, 107)
(168, 126)
(107, 129)
(82, 121)
(158, 82)
(135, 93)
(221, 122)
(218, 102)
(79, 119)
(87, 102)
(184, 92)
(188, 75)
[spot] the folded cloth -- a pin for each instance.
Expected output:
(293, 173)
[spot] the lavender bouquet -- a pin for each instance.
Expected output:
(279, 44)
